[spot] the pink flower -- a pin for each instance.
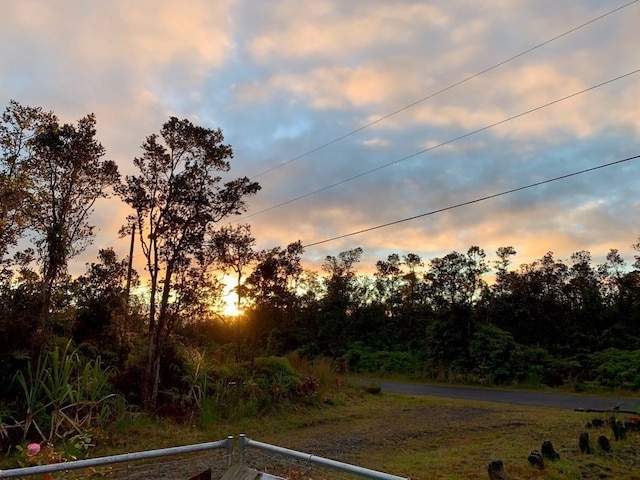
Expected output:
(33, 449)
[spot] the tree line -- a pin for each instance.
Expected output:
(548, 321)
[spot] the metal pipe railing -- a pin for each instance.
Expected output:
(305, 457)
(125, 457)
(228, 444)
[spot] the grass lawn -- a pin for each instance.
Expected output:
(409, 436)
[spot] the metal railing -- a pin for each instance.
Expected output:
(306, 457)
(125, 457)
(227, 444)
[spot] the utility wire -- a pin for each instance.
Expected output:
(482, 72)
(453, 85)
(486, 70)
(477, 200)
(468, 134)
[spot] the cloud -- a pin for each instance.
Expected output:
(286, 79)
(339, 88)
(331, 30)
(149, 34)
(376, 143)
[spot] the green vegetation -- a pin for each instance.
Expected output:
(65, 396)
(78, 353)
(418, 437)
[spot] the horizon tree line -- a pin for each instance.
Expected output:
(545, 318)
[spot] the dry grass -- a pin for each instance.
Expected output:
(433, 438)
(418, 437)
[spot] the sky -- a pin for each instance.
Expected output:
(355, 114)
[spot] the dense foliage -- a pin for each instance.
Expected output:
(459, 317)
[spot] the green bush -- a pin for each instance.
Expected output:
(490, 354)
(614, 368)
(237, 390)
(396, 362)
(278, 377)
(65, 394)
(530, 365)
(273, 365)
(366, 360)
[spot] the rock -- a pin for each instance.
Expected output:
(548, 451)
(583, 443)
(604, 443)
(619, 430)
(536, 459)
(496, 470)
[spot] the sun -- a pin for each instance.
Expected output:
(230, 308)
(230, 301)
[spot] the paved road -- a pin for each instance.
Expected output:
(540, 399)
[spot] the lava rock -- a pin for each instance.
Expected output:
(619, 430)
(548, 451)
(584, 444)
(604, 443)
(633, 424)
(496, 470)
(536, 459)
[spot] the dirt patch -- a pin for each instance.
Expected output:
(357, 439)
(347, 438)
(415, 437)
(388, 428)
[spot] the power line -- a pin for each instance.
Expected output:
(453, 85)
(458, 83)
(477, 200)
(447, 142)
(486, 70)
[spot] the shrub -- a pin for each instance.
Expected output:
(66, 395)
(614, 368)
(530, 365)
(490, 352)
(236, 390)
(369, 361)
(278, 377)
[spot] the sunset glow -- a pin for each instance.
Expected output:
(357, 114)
(230, 306)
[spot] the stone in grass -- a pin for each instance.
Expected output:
(584, 444)
(597, 422)
(619, 430)
(604, 443)
(548, 451)
(536, 459)
(496, 470)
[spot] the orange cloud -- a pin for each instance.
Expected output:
(322, 29)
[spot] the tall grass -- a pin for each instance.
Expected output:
(232, 390)
(64, 395)
(322, 369)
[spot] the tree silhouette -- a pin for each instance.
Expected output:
(178, 198)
